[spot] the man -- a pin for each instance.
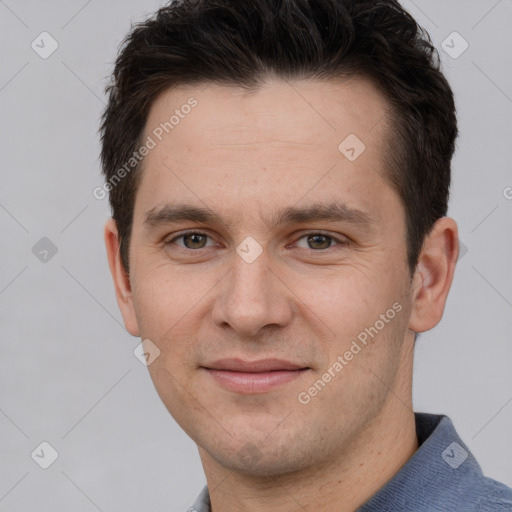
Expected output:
(279, 174)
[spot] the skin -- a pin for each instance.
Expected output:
(244, 155)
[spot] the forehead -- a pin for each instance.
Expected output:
(235, 146)
(298, 110)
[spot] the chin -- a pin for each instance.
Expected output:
(263, 459)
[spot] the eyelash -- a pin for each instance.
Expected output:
(338, 241)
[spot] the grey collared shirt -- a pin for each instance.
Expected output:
(442, 476)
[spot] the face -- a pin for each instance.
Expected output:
(281, 309)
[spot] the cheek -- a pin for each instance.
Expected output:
(163, 295)
(166, 302)
(167, 307)
(365, 315)
(348, 300)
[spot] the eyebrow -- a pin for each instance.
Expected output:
(332, 212)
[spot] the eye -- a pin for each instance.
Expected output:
(320, 241)
(191, 240)
(317, 241)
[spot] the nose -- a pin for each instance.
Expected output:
(251, 297)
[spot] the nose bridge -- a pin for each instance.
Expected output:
(252, 296)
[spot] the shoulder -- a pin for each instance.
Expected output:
(451, 478)
(496, 497)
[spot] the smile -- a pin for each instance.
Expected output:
(253, 377)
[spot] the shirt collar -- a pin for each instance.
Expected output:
(441, 475)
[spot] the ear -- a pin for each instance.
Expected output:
(434, 274)
(121, 279)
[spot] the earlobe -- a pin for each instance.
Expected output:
(121, 279)
(434, 275)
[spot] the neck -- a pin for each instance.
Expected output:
(343, 483)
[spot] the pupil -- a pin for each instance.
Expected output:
(315, 238)
(194, 237)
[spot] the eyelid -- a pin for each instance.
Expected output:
(185, 233)
(340, 240)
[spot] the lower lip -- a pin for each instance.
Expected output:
(251, 383)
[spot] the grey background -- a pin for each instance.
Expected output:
(68, 375)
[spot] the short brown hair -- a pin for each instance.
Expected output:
(236, 42)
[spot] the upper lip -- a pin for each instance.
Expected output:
(262, 365)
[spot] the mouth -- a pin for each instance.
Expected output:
(253, 377)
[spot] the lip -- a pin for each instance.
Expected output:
(251, 377)
(262, 365)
